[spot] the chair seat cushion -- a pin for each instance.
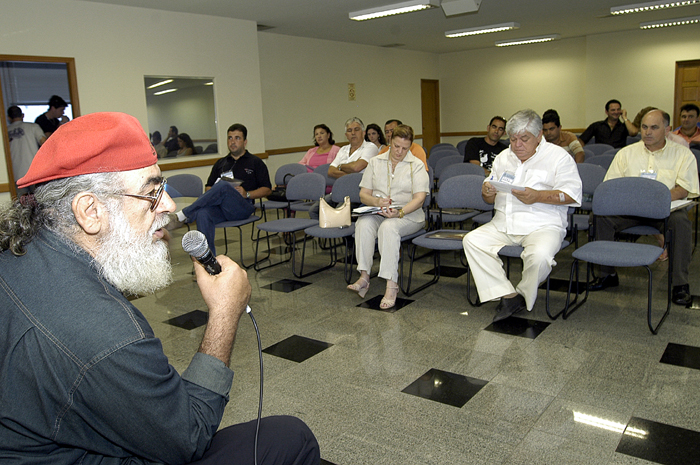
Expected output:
(287, 225)
(330, 233)
(428, 242)
(233, 224)
(612, 253)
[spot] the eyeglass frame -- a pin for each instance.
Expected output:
(155, 198)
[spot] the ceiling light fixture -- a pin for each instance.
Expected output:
(161, 83)
(166, 91)
(670, 22)
(527, 40)
(650, 6)
(482, 30)
(394, 9)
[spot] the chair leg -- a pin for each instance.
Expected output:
(436, 262)
(301, 274)
(349, 249)
(568, 302)
(477, 302)
(257, 262)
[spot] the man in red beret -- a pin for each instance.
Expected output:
(83, 379)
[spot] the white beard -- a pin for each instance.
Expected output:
(133, 262)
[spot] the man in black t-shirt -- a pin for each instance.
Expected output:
(224, 200)
(482, 150)
(50, 121)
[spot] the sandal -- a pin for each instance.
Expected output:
(360, 288)
(389, 302)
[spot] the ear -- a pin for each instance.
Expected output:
(90, 213)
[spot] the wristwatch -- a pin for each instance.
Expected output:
(247, 195)
(401, 213)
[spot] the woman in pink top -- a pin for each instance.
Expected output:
(324, 150)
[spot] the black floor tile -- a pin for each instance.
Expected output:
(297, 348)
(562, 285)
(518, 327)
(286, 285)
(191, 320)
(374, 302)
(448, 271)
(660, 443)
(445, 387)
(681, 355)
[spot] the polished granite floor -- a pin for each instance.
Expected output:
(435, 382)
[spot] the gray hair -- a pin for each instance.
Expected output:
(524, 120)
(354, 119)
(53, 209)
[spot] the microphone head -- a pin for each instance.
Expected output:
(195, 244)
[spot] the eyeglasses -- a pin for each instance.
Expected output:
(154, 197)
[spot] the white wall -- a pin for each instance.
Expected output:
(115, 47)
(305, 82)
(574, 76)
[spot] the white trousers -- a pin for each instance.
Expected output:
(386, 232)
(482, 245)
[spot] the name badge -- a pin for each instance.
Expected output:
(507, 177)
(648, 175)
(228, 174)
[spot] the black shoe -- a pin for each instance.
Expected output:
(508, 307)
(681, 295)
(599, 284)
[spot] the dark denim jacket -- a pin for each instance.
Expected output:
(82, 377)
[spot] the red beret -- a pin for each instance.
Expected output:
(94, 143)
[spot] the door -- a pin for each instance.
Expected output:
(430, 112)
(687, 87)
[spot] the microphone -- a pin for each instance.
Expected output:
(195, 244)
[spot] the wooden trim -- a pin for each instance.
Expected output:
(197, 162)
(5, 187)
(483, 133)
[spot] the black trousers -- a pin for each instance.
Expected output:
(283, 440)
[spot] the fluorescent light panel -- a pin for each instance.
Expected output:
(527, 40)
(670, 22)
(394, 9)
(166, 91)
(482, 30)
(650, 6)
(161, 83)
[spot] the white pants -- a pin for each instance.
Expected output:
(482, 245)
(387, 233)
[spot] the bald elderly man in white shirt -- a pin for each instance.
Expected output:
(534, 217)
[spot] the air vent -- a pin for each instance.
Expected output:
(262, 27)
(392, 45)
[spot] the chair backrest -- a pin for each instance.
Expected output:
(306, 186)
(696, 152)
(611, 152)
(348, 185)
(591, 176)
(633, 139)
(291, 168)
(601, 160)
(435, 156)
(460, 169)
(647, 198)
(198, 149)
(211, 148)
(445, 162)
(323, 170)
(599, 149)
(463, 191)
(439, 146)
(189, 185)
(462, 146)
(589, 153)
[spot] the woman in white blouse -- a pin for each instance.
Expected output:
(397, 182)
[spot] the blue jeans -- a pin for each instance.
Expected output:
(220, 203)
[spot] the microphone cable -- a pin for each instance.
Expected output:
(260, 401)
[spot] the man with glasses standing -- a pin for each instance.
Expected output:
(353, 158)
(234, 183)
(83, 379)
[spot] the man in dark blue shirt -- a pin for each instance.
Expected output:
(234, 183)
